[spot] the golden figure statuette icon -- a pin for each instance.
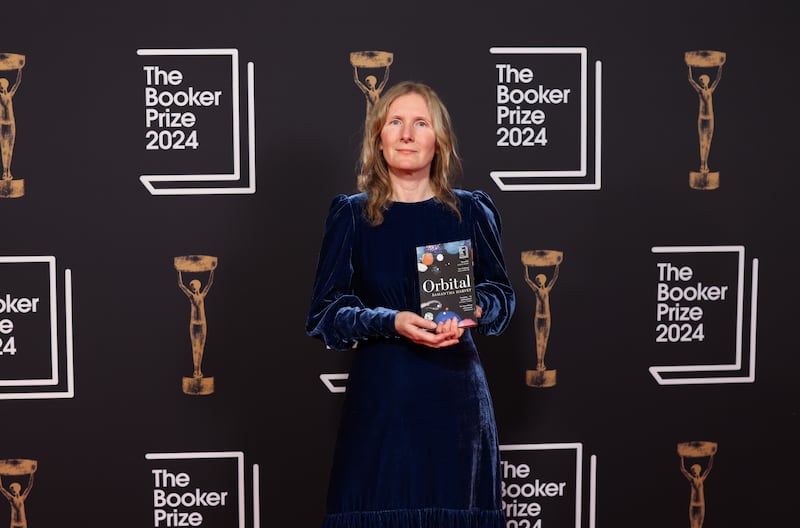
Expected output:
(17, 469)
(696, 475)
(371, 61)
(536, 263)
(11, 65)
(704, 178)
(197, 384)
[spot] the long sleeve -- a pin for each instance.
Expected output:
(337, 316)
(493, 288)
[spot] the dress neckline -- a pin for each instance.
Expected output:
(429, 200)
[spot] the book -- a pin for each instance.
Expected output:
(447, 282)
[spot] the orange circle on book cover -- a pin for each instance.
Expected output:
(427, 259)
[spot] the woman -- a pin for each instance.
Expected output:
(417, 444)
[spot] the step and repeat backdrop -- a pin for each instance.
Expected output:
(167, 169)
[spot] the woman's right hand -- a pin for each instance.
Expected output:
(421, 331)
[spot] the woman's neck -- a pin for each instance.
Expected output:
(411, 190)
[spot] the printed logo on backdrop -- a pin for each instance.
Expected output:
(192, 122)
(195, 277)
(16, 482)
(541, 272)
(705, 72)
(543, 485)
(11, 65)
(700, 315)
(33, 362)
(542, 122)
(371, 73)
(697, 458)
(201, 489)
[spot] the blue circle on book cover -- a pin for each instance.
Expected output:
(445, 316)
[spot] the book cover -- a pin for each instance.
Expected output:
(447, 282)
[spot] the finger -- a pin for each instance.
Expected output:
(415, 320)
(438, 338)
(423, 323)
(447, 343)
(441, 336)
(444, 328)
(454, 326)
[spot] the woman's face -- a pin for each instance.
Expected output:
(408, 140)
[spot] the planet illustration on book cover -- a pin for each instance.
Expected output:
(447, 315)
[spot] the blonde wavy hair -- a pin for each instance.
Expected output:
(446, 168)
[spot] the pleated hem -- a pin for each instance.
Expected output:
(422, 518)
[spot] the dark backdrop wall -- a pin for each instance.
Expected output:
(153, 144)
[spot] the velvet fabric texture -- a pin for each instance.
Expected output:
(417, 444)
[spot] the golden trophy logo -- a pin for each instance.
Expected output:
(11, 65)
(696, 476)
(16, 468)
(536, 263)
(199, 265)
(706, 60)
(372, 62)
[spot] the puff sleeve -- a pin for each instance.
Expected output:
(336, 315)
(493, 289)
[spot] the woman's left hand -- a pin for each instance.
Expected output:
(450, 327)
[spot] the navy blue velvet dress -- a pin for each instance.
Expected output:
(417, 445)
